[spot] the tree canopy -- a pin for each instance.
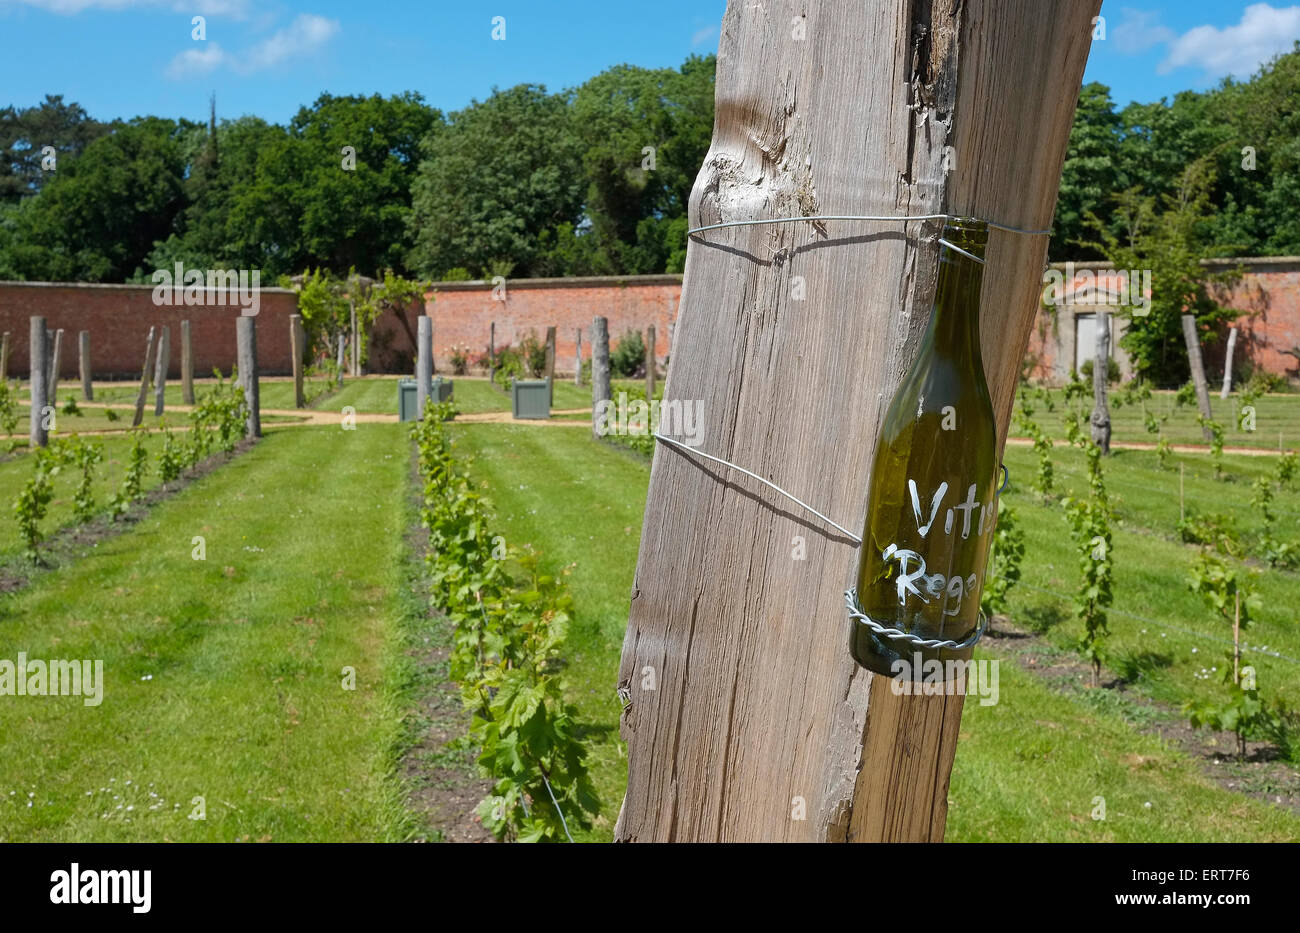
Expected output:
(528, 182)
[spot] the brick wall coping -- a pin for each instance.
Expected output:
(623, 281)
(272, 289)
(577, 281)
(1250, 262)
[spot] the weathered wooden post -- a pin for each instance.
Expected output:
(56, 362)
(161, 365)
(745, 716)
(342, 339)
(423, 363)
(1227, 363)
(650, 362)
(354, 368)
(297, 347)
(144, 379)
(4, 356)
(1197, 364)
(187, 364)
(39, 366)
(599, 369)
(83, 360)
(1100, 418)
(577, 357)
(492, 350)
(246, 347)
(550, 362)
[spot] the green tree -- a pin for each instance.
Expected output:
(498, 174)
(1090, 173)
(25, 132)
(99, 217)
(1166, 237)
(1258, 205)
(280, 199)
(644, 134)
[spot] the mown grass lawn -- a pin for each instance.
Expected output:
(1162, 633)
(276, 392)
(581, 504)
(16, 470)
(223, 677)
(1027, 768)
(1277, 417)
(479, 395)
(1031, 767)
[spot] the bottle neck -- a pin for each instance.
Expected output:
(954, 319)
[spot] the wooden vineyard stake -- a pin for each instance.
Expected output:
(550, 363)
(246, 348)
(161, 364)
(600, 388)
(38, 365)
(1197, 363)
(144, 379)
(650, 362)
(745, 716)
(83, 361)
(187, 364)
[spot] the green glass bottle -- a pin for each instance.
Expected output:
(931, 504)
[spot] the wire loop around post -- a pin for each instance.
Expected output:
(885, 631)
(875, 217)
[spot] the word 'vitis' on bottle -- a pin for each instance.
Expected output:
(932, 499)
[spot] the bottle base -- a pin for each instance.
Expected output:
(904, 661)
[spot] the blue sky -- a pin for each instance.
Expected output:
(120, 58)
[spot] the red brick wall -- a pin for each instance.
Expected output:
(462, 313)
(1268, 295)
(119, 317)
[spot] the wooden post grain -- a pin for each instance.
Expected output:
(1227, 363)
(650, 362)
(1197, 364)
(162, 363)
(744, 715)
(599, 370)
(5, 345)
(144, 379)
(187, 364)
(83, 362)
(297, 348)
(246, 347)
(56, 363)
(38, 365)
(1100, 418)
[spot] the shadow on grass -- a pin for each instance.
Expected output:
(1132, 667)
(1042, 617)
(584, 730)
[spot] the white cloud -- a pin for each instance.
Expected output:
(1138, 30)
(702, 36)
(1264, 31)
(301, 37)
(305, 34)
(197, 61)
(235, 9)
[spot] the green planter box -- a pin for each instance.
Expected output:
(408, 396)
(530, 398)
(442, 390)
(407, 404)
